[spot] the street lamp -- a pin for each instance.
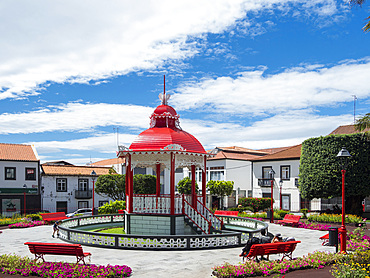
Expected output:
(24, 198)
(281, 199)
(272, 173)
(343, 156)
(93, 177)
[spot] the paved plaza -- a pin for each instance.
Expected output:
(157, 263)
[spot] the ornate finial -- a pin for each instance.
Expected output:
(164, 97)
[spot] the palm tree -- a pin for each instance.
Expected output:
(366, 28)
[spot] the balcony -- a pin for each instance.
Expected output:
(264, 182)
(83, 194)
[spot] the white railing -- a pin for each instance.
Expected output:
(214, 221)
(197, 218)
(156, 204)
(199, 214)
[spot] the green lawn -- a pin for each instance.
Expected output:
(117, 230)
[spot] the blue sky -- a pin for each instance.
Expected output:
(255, 74)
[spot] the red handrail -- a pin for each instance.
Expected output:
(209, 224)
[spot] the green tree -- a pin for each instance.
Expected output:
(320, 169)
(184, 186)
(363, 123)
(220, 189)
(366, 28)
(112, 186)
(145, 184)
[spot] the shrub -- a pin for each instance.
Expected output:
(256, 203)
(304, 211)
(112, 207)
(353, 265)
(281, 213)
(334, 218)
(34, 217)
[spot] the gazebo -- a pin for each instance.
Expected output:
(164, 145)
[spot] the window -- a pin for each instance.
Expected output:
(266, 172)
(83, 184)
(61, 185)
(217, 173)
(31, 174)
(10, 173)
(139, 170)
(83, 204)
(285, 172)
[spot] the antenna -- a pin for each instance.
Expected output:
(116, 129)
(163, 96)
(354, 109)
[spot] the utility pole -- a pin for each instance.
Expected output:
(354, 108)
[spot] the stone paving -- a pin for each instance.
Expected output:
(157, 263)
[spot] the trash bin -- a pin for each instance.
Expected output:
(269, 214)
(333, 236)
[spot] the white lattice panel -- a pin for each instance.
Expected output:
(92, 239)
(207, 242)
(69, 223)
(95, 220)
(163, 243)
(119, 218)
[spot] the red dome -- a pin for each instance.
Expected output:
(165, 134)
(164, 138)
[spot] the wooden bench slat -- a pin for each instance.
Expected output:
(39, 249)
(285, 248)
(290, 218)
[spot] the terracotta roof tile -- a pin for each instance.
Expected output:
(273, 150)
(109, 162)
(289, 153)
(68, 170)
(346, 129)
(18, 152)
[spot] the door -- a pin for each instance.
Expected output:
(62, 207)
(285, 199)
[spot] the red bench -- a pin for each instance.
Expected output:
(285, 248)
(290, 219)
(53, 216)
(226, 212)
(40, 249)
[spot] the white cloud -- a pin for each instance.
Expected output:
(278, 131)
(79, 41)
(75, 117)
(256, 93)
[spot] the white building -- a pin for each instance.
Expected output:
(20, 179)
(66, 187)
(285, 164)
(232, 164)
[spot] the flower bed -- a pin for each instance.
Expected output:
(352, 265)
(12, 264)
(265, 268)
(335, 218)
(26, 224)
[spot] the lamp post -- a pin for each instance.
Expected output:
(343, 155)
(281, 198)
(272, 173)
(24, 198)
(93, 177)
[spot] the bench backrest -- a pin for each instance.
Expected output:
(226, 212)
(292, 217)
(55, 248)
(47, 216)
(272, 248)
